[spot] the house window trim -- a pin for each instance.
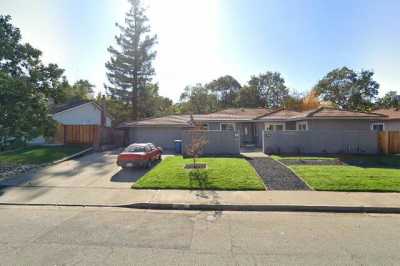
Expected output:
(378, 123)
(301, 123)
(233, 125)
(275, 124)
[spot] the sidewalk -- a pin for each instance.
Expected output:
(204, 200)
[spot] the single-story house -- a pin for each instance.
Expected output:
(250, 123)
(392, 120)
(77, 113)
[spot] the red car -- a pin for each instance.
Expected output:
(139, 154)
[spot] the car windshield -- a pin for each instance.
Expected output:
(135, 149)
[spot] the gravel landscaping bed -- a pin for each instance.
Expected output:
(310, 162)
(7, 171)
(276, 176)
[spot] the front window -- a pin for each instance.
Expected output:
(227, 127)
(378, 127)
(302, 126)
(274, 127)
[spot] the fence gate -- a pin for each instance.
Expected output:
(389, 142)
(76, 134)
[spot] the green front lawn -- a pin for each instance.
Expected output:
(363, 173)
(221, 174)
(350, 178)
(37, 154)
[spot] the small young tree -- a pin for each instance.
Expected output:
(197, 143)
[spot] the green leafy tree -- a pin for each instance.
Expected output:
(130, 69)
(227, 90)
(271, 89)
(391, 99)
(249, 97)
(151, 105)
(79, 91)
(349, 90)
(119, 110)
(198, 100)
(26, 84)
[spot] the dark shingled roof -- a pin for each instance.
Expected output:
(65, 106)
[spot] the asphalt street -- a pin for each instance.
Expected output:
(116, 236)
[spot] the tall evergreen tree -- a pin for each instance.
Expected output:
(130, 69)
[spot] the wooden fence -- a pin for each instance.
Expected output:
(88, 135)
(389, 142)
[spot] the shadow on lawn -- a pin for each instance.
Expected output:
(199, 179)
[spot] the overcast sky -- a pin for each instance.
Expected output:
(200, 40)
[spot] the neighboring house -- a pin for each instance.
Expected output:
(392, 122)
(77, 113)
(250, 124)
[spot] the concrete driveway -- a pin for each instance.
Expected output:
(95, 170)
(89, 180)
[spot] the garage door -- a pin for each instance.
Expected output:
(160, 136)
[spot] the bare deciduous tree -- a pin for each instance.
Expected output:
(198, 141)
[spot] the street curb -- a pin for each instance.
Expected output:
(262, 208)
(227, 207)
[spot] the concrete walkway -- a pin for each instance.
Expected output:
(204, 200)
